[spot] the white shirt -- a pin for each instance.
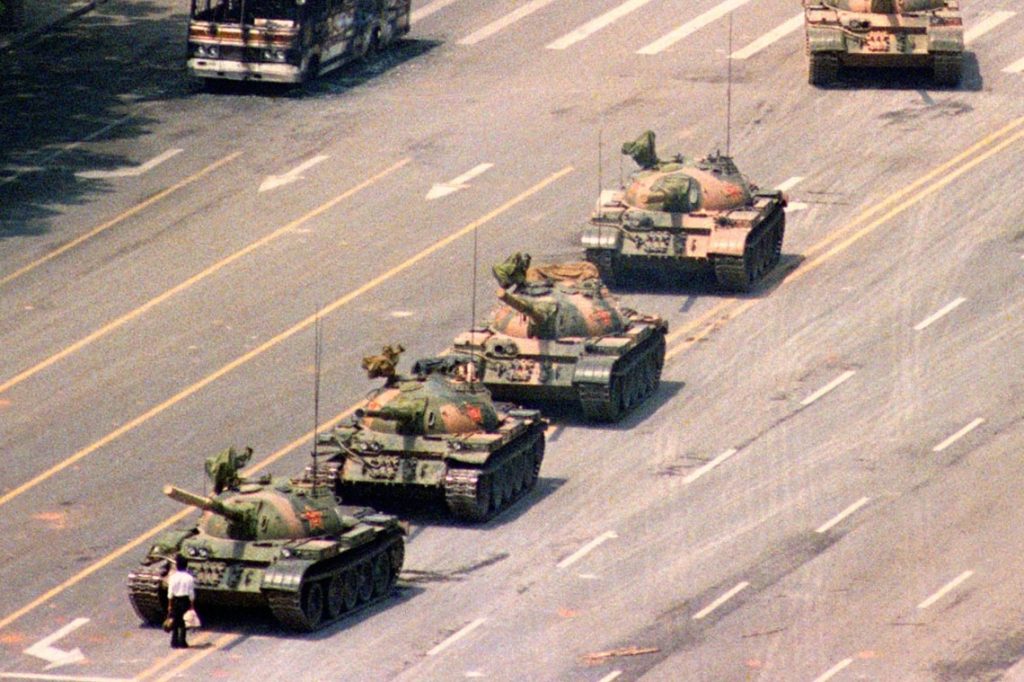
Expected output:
(181, 584)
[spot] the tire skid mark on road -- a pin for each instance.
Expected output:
(120, 218)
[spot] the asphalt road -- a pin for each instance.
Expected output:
(745, 524)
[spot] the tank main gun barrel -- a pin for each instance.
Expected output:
(406, 415)
(539, 313)
(205, 503)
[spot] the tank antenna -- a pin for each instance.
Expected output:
(471, 371)
(600, 160)
(318, 334)
(728, 92)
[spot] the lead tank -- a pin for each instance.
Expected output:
(286, 544)
(560, 335)
(435, 434)
(685, 216)
(884, 33)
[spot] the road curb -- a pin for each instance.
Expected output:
(20, 38)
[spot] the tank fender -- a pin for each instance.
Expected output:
(945, 39)
(602, 237)
(594, 369)
(825, 40)
(285, 575)
(728, 242)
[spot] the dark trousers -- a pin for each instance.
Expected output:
(179, 605)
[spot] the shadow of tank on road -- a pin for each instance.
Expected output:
(877, 78)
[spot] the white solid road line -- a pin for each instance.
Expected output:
(827, 387)
(834, 670)
(456, 637)
(828, 525)
(504, 22)
(951, 585)
(958, 435)
(721, 600)
(587, 549)
(443, 189)
(710, 465)
(614, 675)
(692, 26)
(770, 37)
(1016, 67)
(63, 678)
(986, 25)
(595, 25)
(294, 175)
(792, 182)
(129, 171)
(939, 314)
(427, 10)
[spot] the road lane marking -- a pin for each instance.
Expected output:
(792, 182)
(703, 613)
(958, 435)
(504, 22)
(596, 24)
(827, 388)
(729, 309)
(164, 661)
(288, 333)
(948, 587)
(129, 171)
(427, 10)
(710, 465)
(834, 670)
(1016, 67)
(939, 314)
(795, 206)
(770, 37)
(67, 148)
(62, 678)
(614, 675)
(835, 520)
(692, 26)
(294, 175)
(218, 644)
(443, 189)
(55, 657)
(985, 25)
(119, 218)
(456, 637)
(193, 280)
(587, 549)
(178, 516)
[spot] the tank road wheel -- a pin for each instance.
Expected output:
(608, 265)
(312, 605)
(509, 476)
(336, 596)
(397, 554)
(381, 575)
(364, 573)
(616, 405)
(350, 588)
(823, 68)
(736, 273)
(947, 69)
(775, 241)
(533, 463)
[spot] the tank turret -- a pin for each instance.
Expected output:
(286, 544)
(886, 6)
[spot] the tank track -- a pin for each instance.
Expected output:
(479, 494)
(288, 607)
(635, 377)
(607, 263)
(822, 68)
(146, 592)
(947, 69)
(761, 254)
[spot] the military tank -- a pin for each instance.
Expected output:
(686, 216)
(560, 335)
(435, 434)
(285, 544)
(884, 33)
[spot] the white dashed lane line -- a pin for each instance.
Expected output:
(946, 589)
(958, 435)
(692, 26)
(587, 549)
(939, 314)
(710, 465)
(1016, 67)
(504, 22)
(707, 610)
(985, 25)
(834, 670)
(456, 637)
(770, 38)
(838, 518)
(595, 25)
(827, 388)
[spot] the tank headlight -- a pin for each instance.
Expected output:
(192, 551)
(204, 553)
(286, 552)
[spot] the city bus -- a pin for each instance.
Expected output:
(287, 41)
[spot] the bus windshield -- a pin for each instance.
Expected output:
(230, 10)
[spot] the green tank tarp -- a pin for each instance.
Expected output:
(642, 150)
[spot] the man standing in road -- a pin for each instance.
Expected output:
(181, 596)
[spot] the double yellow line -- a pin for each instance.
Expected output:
(864, 224)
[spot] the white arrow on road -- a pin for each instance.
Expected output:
(275, 181)
(129, 171)
(56, 657)
(443, 189)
